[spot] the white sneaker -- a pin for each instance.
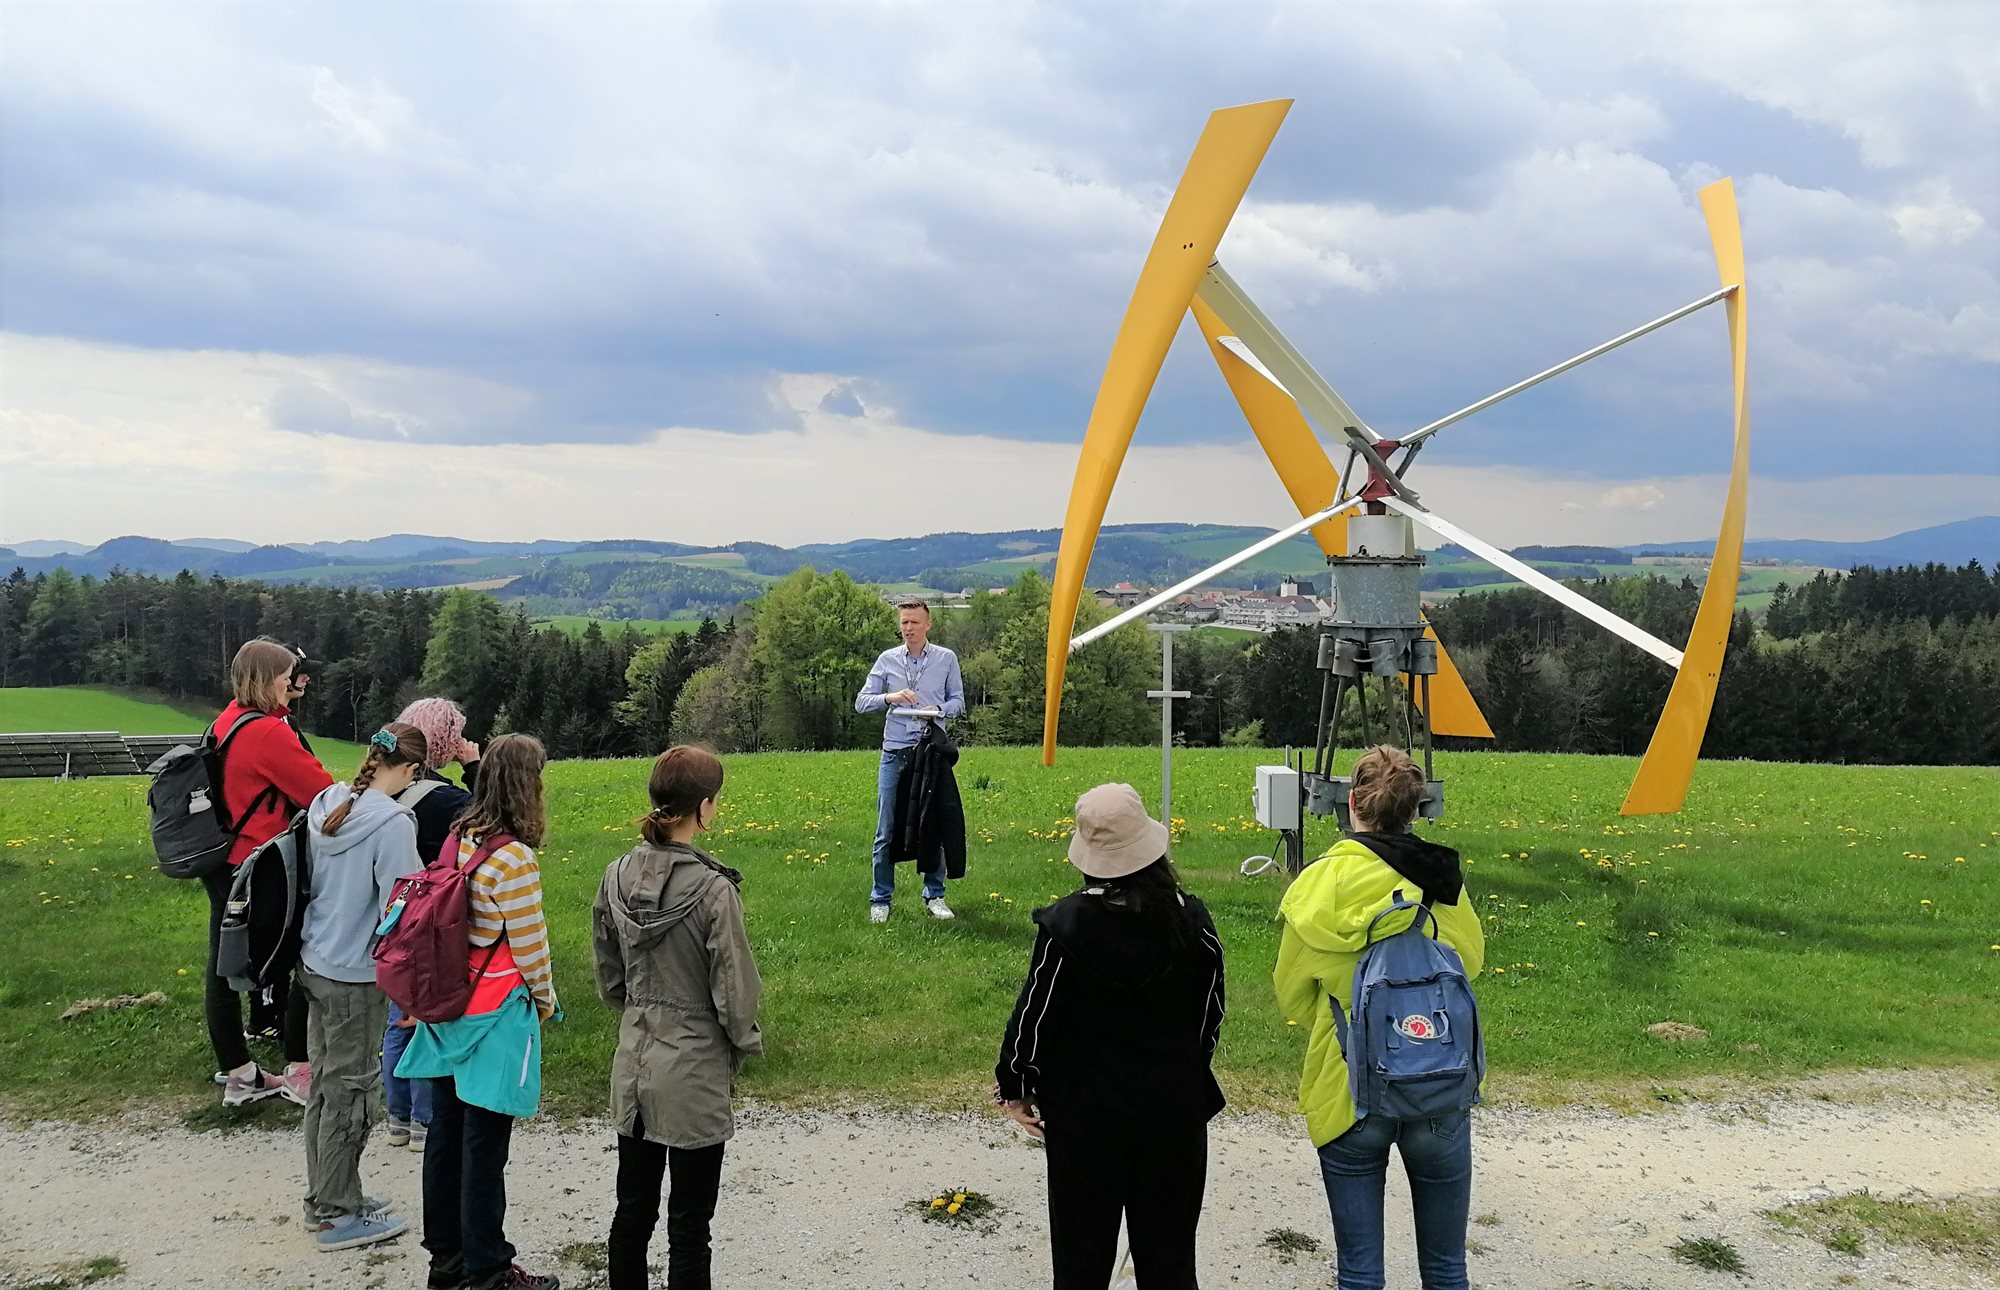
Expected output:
(939, 909)
(878, 913)
(399, 1133)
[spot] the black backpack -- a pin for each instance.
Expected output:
(266, 911)
(191, 831)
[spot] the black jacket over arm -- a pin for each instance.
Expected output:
(930, 817)
(1119, 1015)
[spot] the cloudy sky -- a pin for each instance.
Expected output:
(819, 271)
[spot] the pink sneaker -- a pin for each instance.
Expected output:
(295, 1085)
(254, 1087)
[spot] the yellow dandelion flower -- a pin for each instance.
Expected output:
(960, 1198)
(951, 1208)
(939, 1203)
(1581, 923)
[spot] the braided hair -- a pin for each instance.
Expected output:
(395, 744)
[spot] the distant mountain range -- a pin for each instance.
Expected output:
(1138, 552)
(1953, 544)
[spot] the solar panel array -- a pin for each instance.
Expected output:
(82, 754)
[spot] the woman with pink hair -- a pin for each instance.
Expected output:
(436, 802)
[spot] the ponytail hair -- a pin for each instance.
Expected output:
(395, 744)
(684, 776)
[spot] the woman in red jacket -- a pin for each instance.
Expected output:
(267, 775)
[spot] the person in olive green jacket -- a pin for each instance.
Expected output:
(1326, 913)
(672, 955)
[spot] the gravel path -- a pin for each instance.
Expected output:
(1570, 1198)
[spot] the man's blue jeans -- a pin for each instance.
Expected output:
(1437, 1156)
(894, 760)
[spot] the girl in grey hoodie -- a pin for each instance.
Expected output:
(362, 841)
(673, 956)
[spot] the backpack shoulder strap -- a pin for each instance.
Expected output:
(241, 721)
(418, 791)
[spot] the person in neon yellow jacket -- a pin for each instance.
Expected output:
(1326, 913)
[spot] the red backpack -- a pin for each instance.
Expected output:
(423, 949)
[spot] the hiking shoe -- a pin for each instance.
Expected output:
(878, 913)
(295, 1085)
(446, 1274)
(254, 1087)
(269, 1034)
(516, 1277)
(419, 1131)
(938, 908)
(371, 1207)
(399, 1133)
(357, 1229)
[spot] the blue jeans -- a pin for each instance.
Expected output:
(894, 760)
(1437, 1156)
(409, 1099)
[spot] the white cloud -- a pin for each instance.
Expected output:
(1632, 497)
(100, 441)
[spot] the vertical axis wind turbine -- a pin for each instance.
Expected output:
(1378, 628)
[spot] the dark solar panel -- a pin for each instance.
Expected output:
(69, 754)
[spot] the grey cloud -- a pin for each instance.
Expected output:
(664, 207)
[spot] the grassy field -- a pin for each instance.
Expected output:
(73, 707)
(577, 624)
(1805, 917)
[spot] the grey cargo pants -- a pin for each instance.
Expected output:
(344, 1025)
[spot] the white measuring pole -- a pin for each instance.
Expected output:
(1166, 694)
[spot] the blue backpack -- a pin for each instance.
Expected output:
(1414, 1049)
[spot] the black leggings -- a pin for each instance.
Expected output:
(223, 1007)
(696, 1177)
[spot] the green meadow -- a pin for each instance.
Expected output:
(1805, 917)
(48, 709)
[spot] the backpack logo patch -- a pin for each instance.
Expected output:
(1417, 1027)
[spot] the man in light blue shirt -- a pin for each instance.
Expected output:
(915, 676)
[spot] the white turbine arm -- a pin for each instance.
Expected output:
(1272, 353)
(1186, 585)
(1540, 581)
(1422, 433)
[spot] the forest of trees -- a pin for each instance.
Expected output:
(1895, 666)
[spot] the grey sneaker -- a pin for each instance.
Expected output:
(254, 1087)
(399, 1133)
(371, 1207)
(939, 910)
(878, 913)
(419, 1131)
(357, 1229)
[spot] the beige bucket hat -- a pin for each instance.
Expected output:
(1114, 836)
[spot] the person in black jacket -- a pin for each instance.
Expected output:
(1107, 1056)
(436, 802)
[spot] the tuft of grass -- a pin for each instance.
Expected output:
(1708, 1252)
(1488, 1220)
(591, 1256)
(1290, 1244)
(1961, 1227)
(958, 1207)
(74, 1276)
(1754, 887)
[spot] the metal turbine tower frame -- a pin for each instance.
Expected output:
(1279, 391)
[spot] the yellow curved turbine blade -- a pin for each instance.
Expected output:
(1661, 785)
(1310, 478)
(1274, 417)
(1231, 147)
